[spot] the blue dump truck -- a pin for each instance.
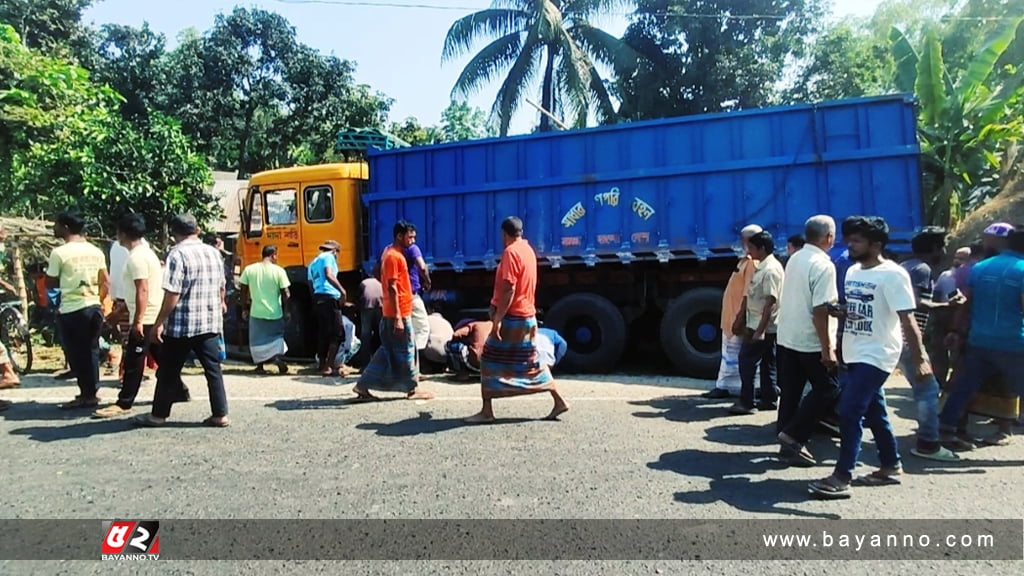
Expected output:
(636, 225)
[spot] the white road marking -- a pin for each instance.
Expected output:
(195, 398)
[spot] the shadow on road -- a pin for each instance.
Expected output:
(742, 434)
(726, 470)
(36, 412)
(425, 423)
(684, 408)
(323, 403)
(88, 429)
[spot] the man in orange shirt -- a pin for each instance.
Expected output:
(393, 366)
(509, 366)
(728, 382)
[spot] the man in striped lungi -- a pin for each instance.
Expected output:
(510, 366)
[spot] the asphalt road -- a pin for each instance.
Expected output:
(630, 448)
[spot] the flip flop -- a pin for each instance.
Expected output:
(473, 420)
(798, 455)
(364, 396)
(940, 455)
(876, 478)
(146, 421)
(827, 490)
(998, 439)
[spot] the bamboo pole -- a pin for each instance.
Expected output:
(19, 278)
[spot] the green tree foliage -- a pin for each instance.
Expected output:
(970, 119)
(844, 62)
(552, 39)
(460, 121)
(53, 27)
(695, 56)
(131, 61)
(254, 98)
(65, 144)
(415, 134)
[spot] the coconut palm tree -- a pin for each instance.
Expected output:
(550, 37)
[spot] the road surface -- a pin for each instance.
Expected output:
(630, 448)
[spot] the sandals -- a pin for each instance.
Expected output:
(877, 478)
(997, 439)
(940, 455)
(795, 453)
(957, 444)
(364, 395)
(829, 489)
(80, 402)
(217, 422)
(147, 421)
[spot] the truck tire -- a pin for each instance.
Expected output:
(594, 330)
(691, 334)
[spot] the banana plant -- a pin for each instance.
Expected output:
(966, 125)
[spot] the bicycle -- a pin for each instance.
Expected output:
(15, 335)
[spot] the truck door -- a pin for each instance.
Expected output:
(319, 211)
(281, 223)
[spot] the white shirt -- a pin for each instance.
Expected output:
(874, 298)
(118, 261)
(810, 282)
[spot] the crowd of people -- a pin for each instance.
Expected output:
(822, 334)
(171, 312)
(814, 338)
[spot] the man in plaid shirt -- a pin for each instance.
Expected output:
(190, 320)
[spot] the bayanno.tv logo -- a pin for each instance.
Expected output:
(131, 540)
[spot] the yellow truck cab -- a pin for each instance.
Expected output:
(297, 209)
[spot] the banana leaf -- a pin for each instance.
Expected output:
(931, 86)
(985, 58)
(906, 60)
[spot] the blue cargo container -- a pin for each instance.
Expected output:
(668, 195)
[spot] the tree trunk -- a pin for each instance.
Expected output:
(243, 151)
(547, 97)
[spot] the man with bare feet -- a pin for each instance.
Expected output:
(510, 366)
(393, 366)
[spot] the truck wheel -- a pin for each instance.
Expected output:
(691, 334)
(594, 330)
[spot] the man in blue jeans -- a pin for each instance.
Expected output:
(995, 345)
(929, 248)
(190, 321)
(879, 301)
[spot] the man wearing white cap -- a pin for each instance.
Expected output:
(728, 383)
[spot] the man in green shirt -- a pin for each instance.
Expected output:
(265, 287)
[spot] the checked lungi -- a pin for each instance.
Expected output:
(511, 364)
(458, 358)
(393, 366)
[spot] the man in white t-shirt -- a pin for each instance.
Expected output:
(141, 277)
(880, 307)
(119, 316)
(806, 350)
